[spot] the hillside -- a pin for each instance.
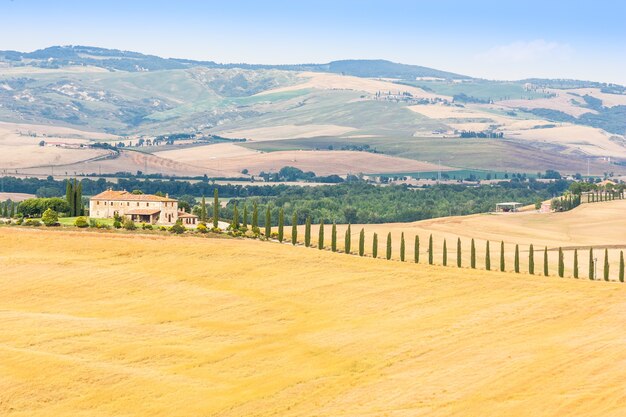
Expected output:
(189, 326)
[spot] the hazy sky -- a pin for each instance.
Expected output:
(490, 39)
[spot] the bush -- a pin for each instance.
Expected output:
(202, 228)
(117, 224)
(163, 229)
(146, 226)
(93, 223)
(129, 225)
(32, 222)
(50, 217)
(19, 221)
(178, 228)
(81, 222)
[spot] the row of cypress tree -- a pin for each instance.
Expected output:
(7, 209)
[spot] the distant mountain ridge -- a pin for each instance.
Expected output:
(114, 59)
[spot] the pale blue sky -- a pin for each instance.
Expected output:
(490, 39)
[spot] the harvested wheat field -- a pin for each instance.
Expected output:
(108, 324)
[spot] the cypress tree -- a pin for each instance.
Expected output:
(389, 246)
(458, 253)
(333, 238)
(416, 249)
(575, 263)
(487, 257)
(12, 213)
(203, 210)
(362, 242)
(402, 248)
(235, 223)
(268, 222)
(502, 264)
(430, 250)
(375, 246)
(68, 197)
(320, 237)
(294, 228)
(255, 216)
(347, 241)
(531, 260)
(591, 265)
(79, 199)
(517, 258)
(307, 232)
(281, 224)
(216, 208)
(473, 255)
(5, 210)
(445, 253)
(621, 266)
(545, 261)
(561, 263)
(244, 222)
(606, 264)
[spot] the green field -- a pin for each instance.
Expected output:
(481, 89)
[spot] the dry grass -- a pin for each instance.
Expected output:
(562, 101)
(15, 196)
(107, 324)
(287, 132)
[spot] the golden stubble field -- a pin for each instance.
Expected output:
(108, 324)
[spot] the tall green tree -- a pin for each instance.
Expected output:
(545, 261)
(347, 241)
(502, 264)
(517, 258)
(473, 255)
(203, 213)
(307, 232)
(268, 222)
(445, 253)
(459, 260)
(591, 265)
(575, 263)
(69, 195)
(531, 260)
(375, 246)
(621, 265)
(606, 264)
(216, 208)
(416, 249)
(255, 216)
(388, 254)
(402, 247)
(362, 242)
(320, 236)
(281, 224)
(333, 238)
(244, 220)
(487, 257)
(561, 263)
(235, 223)
(294, 228)
(431, 254)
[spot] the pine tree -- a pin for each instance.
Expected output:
(402, 247)
(561, 263)
(445, 253)
(545, 261)
(244, 222)
(575, 263)
(320, 236)
(591, 264)
(281, 224)
(416, 249)
(375, 246)
(268, 222)
(487, 257)
(621, 266)
(333, 238)
(255, 216)
(473, 255)
(516, 258)
(347, 241)
(459, 260)
(502, 263)
(531, 260)
(203, 213)
(362, 242)
(388, 246)
(307, 232)
(235, 223)
(216, 208)
(294, 228)
(606, 264)
(430, 250)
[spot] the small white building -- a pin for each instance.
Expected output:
(142, 208)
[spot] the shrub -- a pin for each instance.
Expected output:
(147, 226)
(19, 221)
(178, 228)
(202, 228)
(117, 224)
(81, 222)
(50, 217)
(93, 223)
(32, 222)
(163, 229)
(129, 224)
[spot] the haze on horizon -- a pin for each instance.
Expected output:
(485, 39)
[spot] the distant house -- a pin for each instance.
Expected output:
(188, 219)
(143, 208)
(508, 207)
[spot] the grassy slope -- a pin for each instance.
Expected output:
(104, 324)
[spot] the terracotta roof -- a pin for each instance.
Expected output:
(126, 196)
(143, 212)
(186, 215)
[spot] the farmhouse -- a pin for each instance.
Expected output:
(144, 208)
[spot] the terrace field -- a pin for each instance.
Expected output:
(106, 323)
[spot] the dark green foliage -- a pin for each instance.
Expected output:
(531, 260)
(606, 264)
(216, 208)
(294, 228)
(178, 228)
(35, 207)
(575, 263)
(307, 232)
(517, 258)
(281, 225)
(362, 242)
(74, 197)
(473, 255)
(502, 264)
(235, 224)
(416, 249)
(347, 240)
(244, 220)
(591, 265)
(333, 238)
(430, 250)
(375, 246)
(388, 254)
(255, 216)
(268, 222)
(561, 263)
(320, 236)
(203, 213)
(402, 247)
(459, 259)
(545, 261)
(487, 257)
(445, 253)
(621, 266)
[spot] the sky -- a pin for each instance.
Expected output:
(487, 39)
